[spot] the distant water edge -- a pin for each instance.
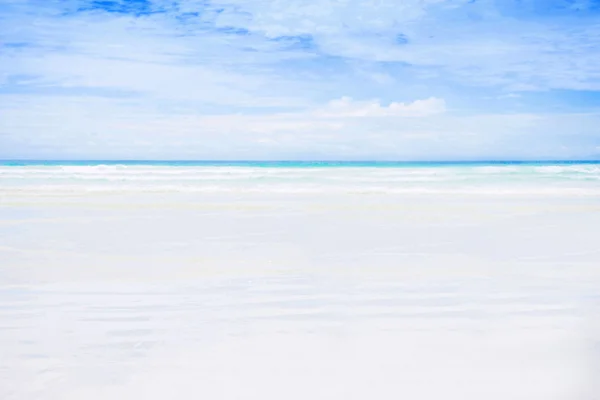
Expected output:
(296, 164)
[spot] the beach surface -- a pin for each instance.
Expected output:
(299, 281)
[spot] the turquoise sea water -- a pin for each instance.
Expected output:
(290, 164)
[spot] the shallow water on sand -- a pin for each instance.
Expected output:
(268, 283)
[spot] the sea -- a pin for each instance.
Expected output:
(299, 280)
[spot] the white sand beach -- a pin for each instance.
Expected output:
(294, 284)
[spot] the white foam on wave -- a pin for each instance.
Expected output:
(301, 189)
(574, 168)
(496, 169)
(312, 171)
(557, 180)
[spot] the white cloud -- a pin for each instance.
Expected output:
(346, 107)
(335, 116)
(103, 128)
(485, 43)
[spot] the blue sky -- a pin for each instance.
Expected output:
(300, 79)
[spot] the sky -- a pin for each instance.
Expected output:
(300, 79)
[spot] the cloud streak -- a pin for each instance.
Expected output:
(346, 107)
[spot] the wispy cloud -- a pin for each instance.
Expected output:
(346, 107)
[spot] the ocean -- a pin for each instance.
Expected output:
(297, 280)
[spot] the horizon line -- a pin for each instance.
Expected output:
(113, 160)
